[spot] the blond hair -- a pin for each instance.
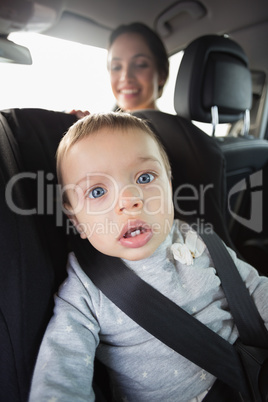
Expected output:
(96, 122)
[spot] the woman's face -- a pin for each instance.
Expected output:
(133, 73)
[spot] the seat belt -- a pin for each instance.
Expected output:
(167, 321)
(252, 344)
(241, 304)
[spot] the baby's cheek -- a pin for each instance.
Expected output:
(155, 202)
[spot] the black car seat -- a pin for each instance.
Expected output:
(213, 85)
(34, 244)
(33, 237)
(33, 249)
(33, 233)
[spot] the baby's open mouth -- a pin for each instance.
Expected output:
(134, 232)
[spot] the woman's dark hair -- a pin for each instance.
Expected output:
(154, 43)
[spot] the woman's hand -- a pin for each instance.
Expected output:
(80, 113)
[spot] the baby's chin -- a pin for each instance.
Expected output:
(131, 253)
(128, 254)
(137, 254)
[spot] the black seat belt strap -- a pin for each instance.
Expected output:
(247, 318)
(252, 345)
(161, 317)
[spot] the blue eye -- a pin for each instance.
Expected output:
(97, 192)
(145, 178)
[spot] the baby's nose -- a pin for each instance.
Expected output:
(130, 201)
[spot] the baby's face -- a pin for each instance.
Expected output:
(120, 192)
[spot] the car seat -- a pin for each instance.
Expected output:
(34, 244)
(33, 237)
(34, 241)
(31, 266)
(214, 86)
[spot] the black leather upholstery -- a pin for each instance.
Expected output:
(34, 246)
(33, 250)
(213, 72)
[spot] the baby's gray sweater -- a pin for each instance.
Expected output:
(142, 369)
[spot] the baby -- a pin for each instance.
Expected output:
(116, 186)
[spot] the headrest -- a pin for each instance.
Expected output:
(213, 72)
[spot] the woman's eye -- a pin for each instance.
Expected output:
(115, 68)
(142, 65)
(97, 192)
(145, 178)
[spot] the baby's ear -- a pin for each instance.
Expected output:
(72, 218)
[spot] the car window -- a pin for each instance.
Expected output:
(67, 75)
(64, 75)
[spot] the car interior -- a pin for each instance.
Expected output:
(222, 78)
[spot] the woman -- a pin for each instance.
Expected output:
(138, 66)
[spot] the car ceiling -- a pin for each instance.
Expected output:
(177, 22)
